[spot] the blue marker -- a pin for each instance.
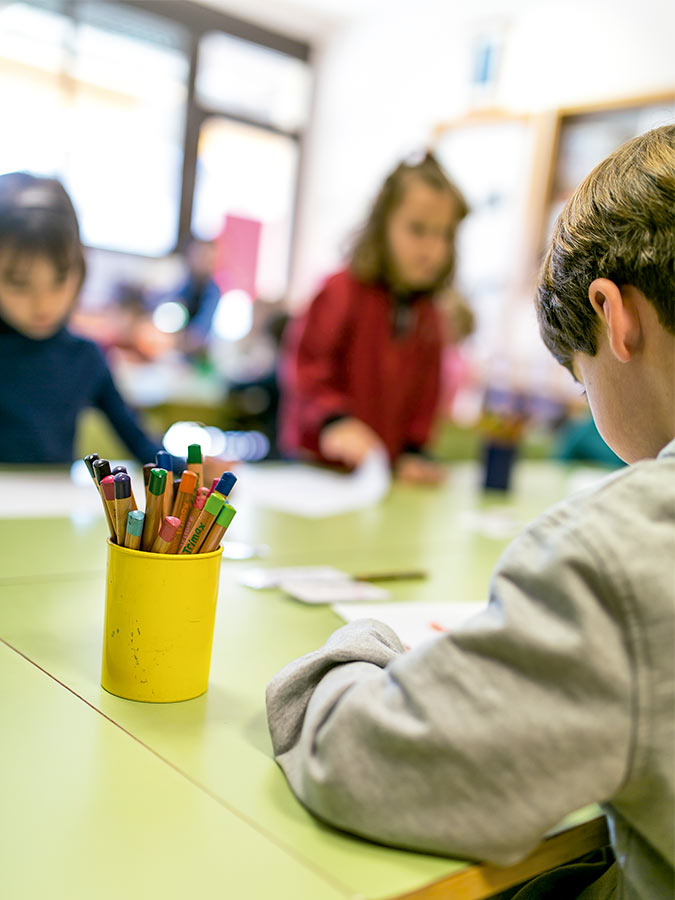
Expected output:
(164, 460)
(225, 483)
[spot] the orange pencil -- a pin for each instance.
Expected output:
(166, 535)
(108, 494)
(153, 511)
(198, 503)
(218, 529)
(182, 506)
(193, 539)
(194, 462)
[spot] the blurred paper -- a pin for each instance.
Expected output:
(259, 578)
(414, 623)
(304, 490)
(333, 591)
(499, 524)
(51, 492)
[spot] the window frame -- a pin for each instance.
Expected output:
(198, 21)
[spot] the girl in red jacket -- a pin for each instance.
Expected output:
(361, 368)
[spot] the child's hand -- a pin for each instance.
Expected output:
(415, 469)
(349, 441)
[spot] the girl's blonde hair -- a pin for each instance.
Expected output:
(369, 260)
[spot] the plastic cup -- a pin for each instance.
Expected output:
(160, 611)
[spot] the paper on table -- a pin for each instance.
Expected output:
(313, 492)
(49, 493)
(499, 524)
(260, 578)
(414, 623)
(333, 591)
(313, 584)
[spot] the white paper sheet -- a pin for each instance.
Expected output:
(51, 493)
(499, 524)
(413, 622)
(313, 584)
(260, 578)
(313, 492)
(334, 591)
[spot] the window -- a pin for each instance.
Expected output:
(127, 109)
(246, 175)
(32, 100)
(99, 101)
(99, 93)
(253, 82)
(253, 101)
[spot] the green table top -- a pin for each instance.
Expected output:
(89, 812)
(203, 769)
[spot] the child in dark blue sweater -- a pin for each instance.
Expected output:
(48, 376)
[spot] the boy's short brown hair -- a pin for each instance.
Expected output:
(620, 225)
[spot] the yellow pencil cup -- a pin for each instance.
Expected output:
(160, 610)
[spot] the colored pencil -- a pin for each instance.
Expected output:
(193, 539)
(165, 535)
(153, 510)
(218, 529)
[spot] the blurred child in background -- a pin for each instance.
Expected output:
(199, 294)
(48, 376)
(362, 368)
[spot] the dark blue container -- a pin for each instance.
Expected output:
(498, 462)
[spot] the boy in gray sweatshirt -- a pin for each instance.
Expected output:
(561, 694)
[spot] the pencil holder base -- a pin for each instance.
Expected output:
(159, 617)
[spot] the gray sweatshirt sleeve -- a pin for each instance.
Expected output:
(478, 742)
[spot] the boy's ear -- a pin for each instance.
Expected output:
(618, 317)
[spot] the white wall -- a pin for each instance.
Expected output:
(385, 80)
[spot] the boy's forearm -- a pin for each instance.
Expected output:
(290, 691)
(473, 745)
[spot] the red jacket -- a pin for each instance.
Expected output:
(342, 358)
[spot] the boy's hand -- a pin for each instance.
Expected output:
(349, 441)
(415, 469)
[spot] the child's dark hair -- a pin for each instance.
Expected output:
(369, 257)
(37, 218)
(620, 225)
